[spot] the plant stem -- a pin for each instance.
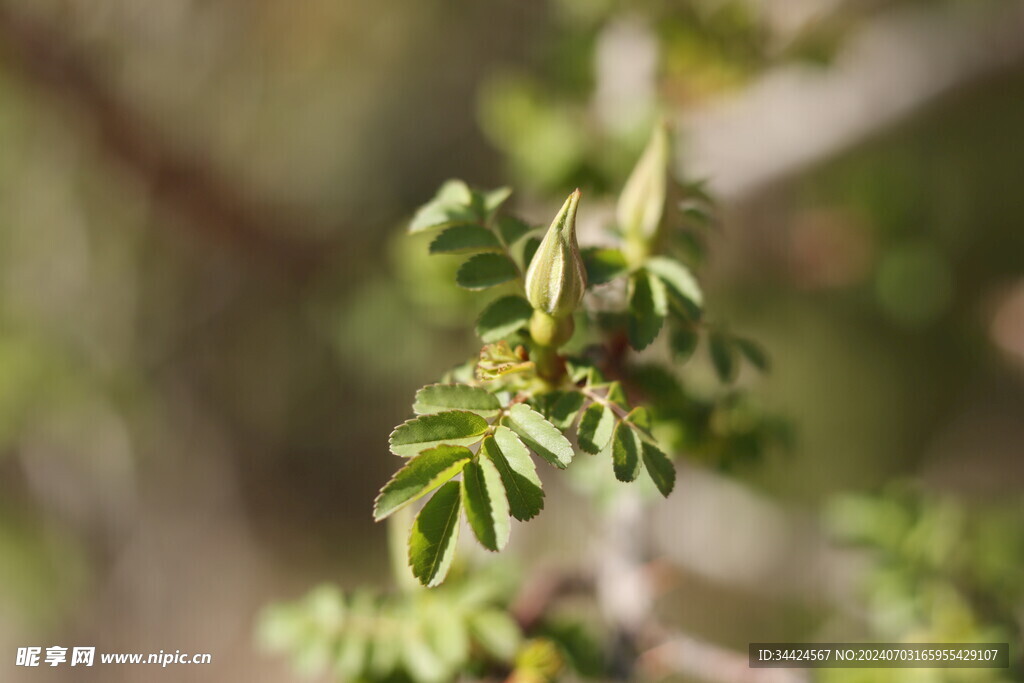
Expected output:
(550, 366)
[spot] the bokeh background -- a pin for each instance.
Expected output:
(210, 320)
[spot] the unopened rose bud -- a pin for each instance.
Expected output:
(642, 202)
(556, 278)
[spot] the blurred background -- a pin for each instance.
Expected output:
(210, 319)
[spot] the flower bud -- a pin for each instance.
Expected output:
(642, 202)
(556, 278)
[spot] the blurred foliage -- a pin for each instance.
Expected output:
(157, 382)
(942, 571)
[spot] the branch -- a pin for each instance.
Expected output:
(796, 116)
(41, 55)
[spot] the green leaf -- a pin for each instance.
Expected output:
(486, 270)
(561, 407)
(603, 265)
(617, 396)
(453, 203)
(423, 474)
(493, 200)
(753, 352)
(503, 317)
(659, 468)
(648, 305)
(541, 436)
(681, 284)
(385, 651)
(434, 536)
(497, 633)
(437, 398)
(529, 249)
(447, 633)
(462, 238)
(518, 474)
(511, 229)
(723, 356)
(596, 428)
(483, 497)
(455, 427)
(353, 649)
(422, 663)
(683, 342)
(626, 452)
(640, 417)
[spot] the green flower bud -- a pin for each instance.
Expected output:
(642, 202)
(556, 278)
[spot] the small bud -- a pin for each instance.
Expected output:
(642, 202)
(556, 278)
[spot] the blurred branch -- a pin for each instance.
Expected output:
(795, 116)
(45, 58)
(683, 655)
(769, 550)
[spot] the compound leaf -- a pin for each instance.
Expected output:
(518, 474)
(454, 427)
(683, 342)
(424, 473)
(603, 265)
(511, 229)
(561, 407)
(353, 649)
(452, 204)
(502, 317)
(497, 633)
(723, 356)
(486, 270)
(541, 436)
(483, 497)
(648, 304)
(659, 468)
(626, 452)
(753, 352)
(434, 536)
(595, 428)
(681, 284)
(437, 398)
(462, 238)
